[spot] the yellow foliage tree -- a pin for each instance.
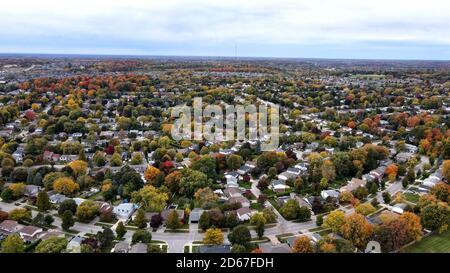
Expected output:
(302, 245)
(213, 236)
(65, 185)
(78, 167)
(151, 173)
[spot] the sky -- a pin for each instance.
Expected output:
(360, 29)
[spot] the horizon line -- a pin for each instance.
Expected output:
(27, 54)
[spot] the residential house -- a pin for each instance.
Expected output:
(31, 190)
(232, 192)
(353, 185)
(30, 233)
(124, 210)
(278, 186)
(240, 199)
(330, 193)
(9, 226)
(403, 157)
(269, 248)
(244, 214)
(74, 245)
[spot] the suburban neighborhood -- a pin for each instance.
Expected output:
(89, 165)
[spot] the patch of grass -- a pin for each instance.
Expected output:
(246, 185)
(315, 229)
(176, 231)
(31, 207)
(256, 206)
(324, 232)
(131, 227)
(101, 224)
(282, 237)
(436, 243)
(411, 197)
(157, 242)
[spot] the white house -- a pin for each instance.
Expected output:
(124, 210)
(329, 193)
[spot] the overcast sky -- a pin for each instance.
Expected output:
(382, 29)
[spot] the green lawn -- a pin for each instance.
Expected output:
(436, 243)
(411, 197)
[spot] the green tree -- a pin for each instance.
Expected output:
(120, 230)
(20, 215)
(13, 244)
(236, 248)
(105, 238)
(140, 220)
(234, 161)
(435, 217)
(290, 209)
(319, 220)
(7, 195)
(259, 222)
(67, 220)
(141, 236)
(192, 181)
(207, 165)
(204, 221)
(116, 160)
(68, 204)
(42, 201)
(87, 211)
(52, 245)
(240, 235)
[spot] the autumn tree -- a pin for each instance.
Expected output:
(302, 245)
(446, 170)
(140, 221)
(441, 191)
(205, 197)
(357, 230)
(150, 198)
(213, 236)
(335, 220)
(78, 167)
(173, 220)
(151, 173)
(65, 185)
(392, 171)
(365, 209)
(87, 210)
(328, 170)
